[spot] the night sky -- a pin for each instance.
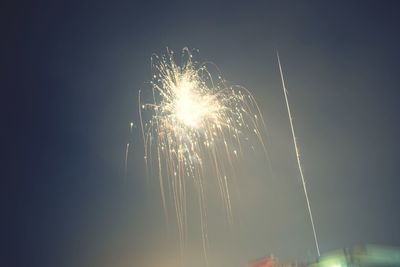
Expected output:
(71, 72)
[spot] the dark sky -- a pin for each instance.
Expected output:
(71, 71)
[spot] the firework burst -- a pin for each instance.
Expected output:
(195, 126)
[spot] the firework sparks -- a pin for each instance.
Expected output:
(196, 124)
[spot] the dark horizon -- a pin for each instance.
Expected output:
(72, 72)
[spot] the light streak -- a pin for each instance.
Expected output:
(126, 159)
(298, 156)
(127, 150)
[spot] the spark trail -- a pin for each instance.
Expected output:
(298, 155)
(195, 127)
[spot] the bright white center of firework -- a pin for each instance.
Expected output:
(192, 107)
